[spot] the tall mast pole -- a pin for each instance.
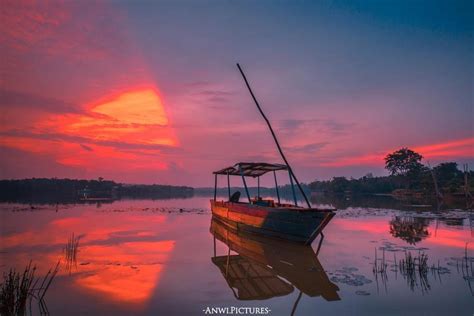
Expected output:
(274, 136)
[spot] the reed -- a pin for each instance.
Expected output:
(379, 270)
(380, 266)
(70, 252)
(414, 269)
(17, 289)
(467, 269)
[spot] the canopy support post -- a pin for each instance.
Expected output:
(245, 183)
(215, 187)
(292, 187)
(276, 186)
(228, 185)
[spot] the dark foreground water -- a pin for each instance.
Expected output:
(157, 257)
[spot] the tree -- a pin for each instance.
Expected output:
(403, 162)
(339, 184)
(369, 175)
(448, 175)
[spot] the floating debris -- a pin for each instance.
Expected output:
(351, 279)
(169, 210)
(347, 276)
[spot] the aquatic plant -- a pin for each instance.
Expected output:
(70, 252)
(380, 266)
(17, 289)
(415, 268)
(467, 269)
(379, 270)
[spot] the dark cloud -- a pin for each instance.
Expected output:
(217, 97)
(215, 93)
(197, 84)
(18, 164)
(87, 147)
(81, 140)
(330, 125)
(309, 148)
(18, 99)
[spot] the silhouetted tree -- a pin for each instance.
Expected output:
(448, 175)
(403, 162)
(339, 184)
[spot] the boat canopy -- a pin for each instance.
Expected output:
(251, 169)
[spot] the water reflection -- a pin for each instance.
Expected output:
(264, 268)
(112, 259)
(409, 229)
(389, 202)
(140, 258)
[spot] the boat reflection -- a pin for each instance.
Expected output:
(264, 268)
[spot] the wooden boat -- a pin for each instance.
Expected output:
(264, 268)
(265, 216)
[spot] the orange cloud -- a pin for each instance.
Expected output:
(135, 120)
(463, 148)
(134, 116)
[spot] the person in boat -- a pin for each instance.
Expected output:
(235, 197)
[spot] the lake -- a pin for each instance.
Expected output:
(159, 257)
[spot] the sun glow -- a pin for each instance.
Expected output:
(136, 116)
(129, 130)
(142, 107)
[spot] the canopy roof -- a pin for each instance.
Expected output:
(251, 169)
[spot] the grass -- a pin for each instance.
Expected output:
(467, 269)
(413, 268)
(379, 269)
(17, 289)
(71, 251)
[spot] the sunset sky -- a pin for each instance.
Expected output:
(148, 91)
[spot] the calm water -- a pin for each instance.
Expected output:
(158, 257)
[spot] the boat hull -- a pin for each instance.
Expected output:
(297, 224)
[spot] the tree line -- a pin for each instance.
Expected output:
(71, 190)
(407, 173)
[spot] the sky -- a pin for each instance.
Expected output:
(149, 91)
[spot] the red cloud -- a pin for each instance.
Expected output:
(135, 117)
(463, 148)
